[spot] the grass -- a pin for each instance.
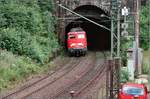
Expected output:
(146, 56)
(146, 68)
(146, 63)
(14, 69)
(124, 75)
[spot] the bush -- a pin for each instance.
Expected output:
(46, 5)
(15, 15)
(27, 28)
(124, 76)
(14, 68)
(15, 40)
(144, 37)
(145, 69)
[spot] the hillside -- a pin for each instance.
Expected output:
(27, 38)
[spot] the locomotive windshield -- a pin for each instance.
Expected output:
(133, 90)
(72, 36)
(80, 36)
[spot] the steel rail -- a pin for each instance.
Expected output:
(79, 78)
(77, 93)
(21, 90)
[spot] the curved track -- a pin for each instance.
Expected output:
(53, 90)
(48, 80)
(87, 81)
(96, 88)
(78, 75)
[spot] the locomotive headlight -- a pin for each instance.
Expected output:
(136, 97)
(73, 44)
(80, 44)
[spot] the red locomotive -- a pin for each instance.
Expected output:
(77, 42)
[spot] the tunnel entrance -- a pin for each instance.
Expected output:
(98, 38)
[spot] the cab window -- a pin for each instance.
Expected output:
(71, 36)
(80, 36)
(133, 91)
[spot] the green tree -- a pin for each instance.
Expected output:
(46, 5)
(27, 28)
(144, 27)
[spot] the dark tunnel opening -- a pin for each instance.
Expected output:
(98, 38)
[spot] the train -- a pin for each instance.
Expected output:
(77, 42)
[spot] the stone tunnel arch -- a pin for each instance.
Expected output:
(98, 38)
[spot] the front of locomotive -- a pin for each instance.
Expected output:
(77, 42)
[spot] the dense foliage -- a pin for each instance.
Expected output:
(144, 24)
(27, 28)
(124, 75)
(15, 68)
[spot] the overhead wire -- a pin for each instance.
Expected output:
(62, 6)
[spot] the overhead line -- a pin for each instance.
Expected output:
(60, 5)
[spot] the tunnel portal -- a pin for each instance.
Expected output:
(98, 38)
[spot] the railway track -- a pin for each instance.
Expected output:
(96, 88)
(66, 81)
(91, 89)
(25, 92)
(91, 78)
(39, 84)
(77, 75)
(92, 81)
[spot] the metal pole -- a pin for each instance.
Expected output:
(137, 37)
(117, 74)
(112, 31)
(111, 66)
(108, 79)
(118, 33)
(112, 38)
